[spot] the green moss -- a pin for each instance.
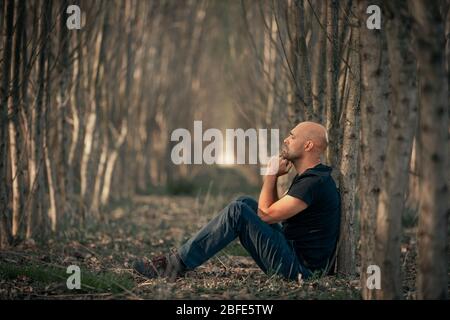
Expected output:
(90, 282)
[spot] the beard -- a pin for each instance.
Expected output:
(285, 154)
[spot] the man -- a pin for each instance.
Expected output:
(309, 212)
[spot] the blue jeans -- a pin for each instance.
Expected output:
(266, 243)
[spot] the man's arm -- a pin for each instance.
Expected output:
(271, 209)
(269, 193)
(281, 210)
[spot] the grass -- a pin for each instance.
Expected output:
(42, 275)
(235, 249)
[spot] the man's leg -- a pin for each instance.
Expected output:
(252, 203)
(267, 245)
(278, 255)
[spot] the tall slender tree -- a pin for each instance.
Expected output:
(319, 76)
(374, 112)
(332, 82)
(434, 142)
(5, 229)
(346, 250)
(15, 138)
(64, 67)
(402, 124)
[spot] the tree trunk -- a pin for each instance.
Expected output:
(5, 230)
(87, 149)
(95, 206)
(332, 83)
(374, 111)
(48, 159)
(35, 218)
(402, 124)
(130, 155)
(346, 251)
(15, 144)
(434, 142)
(25, 118)
(447, 55)
(304, 70)
(110, 164)
(64, 71)
(269, 66)
(75, 100)
(94, 109)
(319, 75)
(52, 211)
(32, 144)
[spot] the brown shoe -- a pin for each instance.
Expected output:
(162, 266)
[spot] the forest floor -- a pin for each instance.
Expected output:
(151, 225)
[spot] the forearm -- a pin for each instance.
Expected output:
(269, 194)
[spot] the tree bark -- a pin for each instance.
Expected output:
(63, 98)
(5, 229)
(318, 90)
(303, 64)
(35, 218)
(75, 100)
(92, 117)
(374, 111)
(48, 159)
(110, 164)
(15, 143)
(129, 55)
(402, 124)
(346, 263)
(332, 83)
(434, 142)
(269, 66)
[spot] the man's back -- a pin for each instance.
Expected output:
(314, 230)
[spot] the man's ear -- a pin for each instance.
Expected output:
(309, 145)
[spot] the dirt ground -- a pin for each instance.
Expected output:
(151, 225)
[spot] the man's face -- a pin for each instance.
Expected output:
(293, 145)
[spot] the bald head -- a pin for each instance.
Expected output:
(314, 132)
(308, 140)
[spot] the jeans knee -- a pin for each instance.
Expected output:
(245, 199)
(241, 211)
(251, 202)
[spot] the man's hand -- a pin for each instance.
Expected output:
(278, 166)
(284, 167)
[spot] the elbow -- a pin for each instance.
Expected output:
(265, 216)
(270, 221)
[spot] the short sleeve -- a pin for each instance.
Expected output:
(303, 189)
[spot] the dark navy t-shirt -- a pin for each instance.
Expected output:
(315, 230)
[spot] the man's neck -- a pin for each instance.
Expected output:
(304, 164)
